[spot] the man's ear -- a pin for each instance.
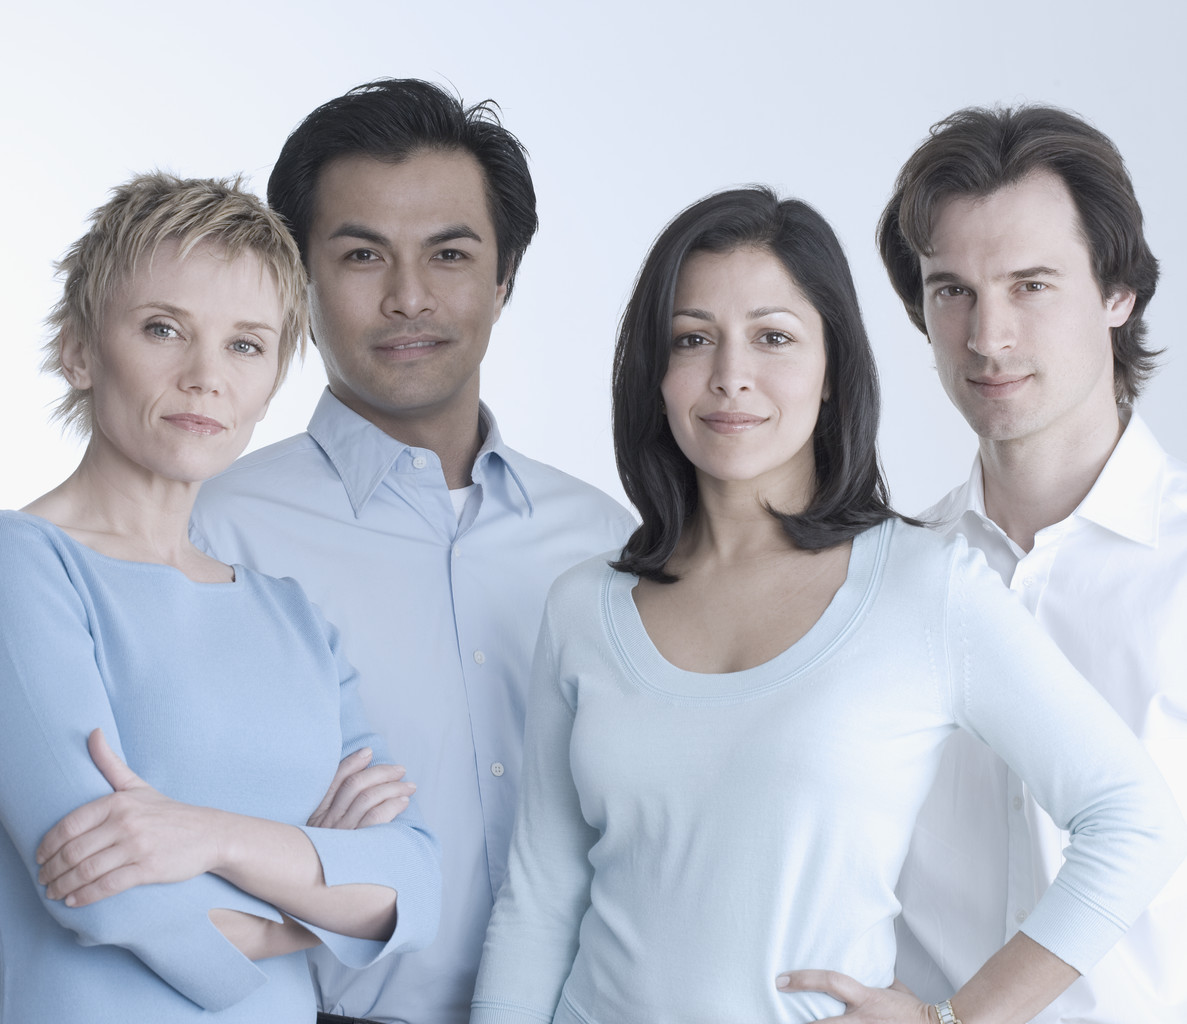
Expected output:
(76, 357)
(501, 296)
(1119, 305)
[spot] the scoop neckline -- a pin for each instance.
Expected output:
(652, 672)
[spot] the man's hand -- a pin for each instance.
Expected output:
(135, 836)
(894, 1005)
(362, 794)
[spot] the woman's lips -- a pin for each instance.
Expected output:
(732, 422)
(194, 423)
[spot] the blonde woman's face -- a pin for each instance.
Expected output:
(184, 362)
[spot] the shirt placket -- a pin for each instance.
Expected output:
(1024, 881)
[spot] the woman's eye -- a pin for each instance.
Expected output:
(161, 330)
(689, 341)
(776, 338)
(246, 347)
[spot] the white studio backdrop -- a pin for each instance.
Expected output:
(630, 111)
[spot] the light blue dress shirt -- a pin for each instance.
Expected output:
(439, 616)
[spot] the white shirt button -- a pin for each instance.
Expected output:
(1029, 581)
(420, 462)
(1017, 803)
(1020, 916)
(479, 658)
(457, 550)
(497, 769)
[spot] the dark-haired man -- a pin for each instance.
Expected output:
(1015, 241)
(421, 535)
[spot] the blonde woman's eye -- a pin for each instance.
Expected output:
(246, 347)
(161, 330)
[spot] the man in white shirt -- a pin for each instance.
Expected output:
(427, 540)
(1015, 242)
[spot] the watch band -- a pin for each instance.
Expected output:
(945, 1012)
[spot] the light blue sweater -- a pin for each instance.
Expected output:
(683, 837)
(227, 695)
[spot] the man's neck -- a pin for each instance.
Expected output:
(453, 431)
(1031, 484)
(454, 439)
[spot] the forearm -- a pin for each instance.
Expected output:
(278, 864)
(1013, 985)
(257, 938)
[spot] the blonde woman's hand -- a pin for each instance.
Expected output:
(134, 836)
(362, 794)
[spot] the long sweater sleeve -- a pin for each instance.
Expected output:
(401, 854)
(53, 696)
(1012, 687)
(226, 695)
(537, 917)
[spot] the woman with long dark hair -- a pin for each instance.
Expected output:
(734, 722)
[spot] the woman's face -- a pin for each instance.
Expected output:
(183, 364)
(747, 373)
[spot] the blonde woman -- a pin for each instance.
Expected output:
(170, 724)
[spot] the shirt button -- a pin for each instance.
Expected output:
(1020, 916)
(987, 527)
(1029, 581)
(497, 769)
(479, 658)
(420, 462)
(457, 550)
(1017, 803)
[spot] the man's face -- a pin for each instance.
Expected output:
(1015, 315)
(403, 286)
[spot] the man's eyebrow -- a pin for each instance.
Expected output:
(360, 231)
(451, 233)
(1025, 274)
(1029, 272)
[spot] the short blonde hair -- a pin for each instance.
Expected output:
(141, 214)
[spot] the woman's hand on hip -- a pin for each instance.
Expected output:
(863, 1005)
(363, 794)
(135, 836)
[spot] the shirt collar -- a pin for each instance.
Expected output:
(1125, 498)
(1127, 495)
(363, 455)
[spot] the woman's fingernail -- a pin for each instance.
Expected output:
(783, 981)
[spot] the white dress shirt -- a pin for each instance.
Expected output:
(1109, 585)
(439, 614)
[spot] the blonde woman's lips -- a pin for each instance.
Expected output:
(194, 423)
